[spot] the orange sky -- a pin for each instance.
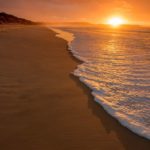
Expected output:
(97, 11)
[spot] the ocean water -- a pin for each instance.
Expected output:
(116, 67)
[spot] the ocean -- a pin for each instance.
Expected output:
(116, 67)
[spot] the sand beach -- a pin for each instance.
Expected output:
(43, 106)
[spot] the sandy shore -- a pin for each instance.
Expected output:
(43, 106)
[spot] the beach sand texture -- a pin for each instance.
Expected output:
(43, 106)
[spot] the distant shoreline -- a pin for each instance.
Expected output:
(6, 18)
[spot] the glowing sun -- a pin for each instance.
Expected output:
(116, 21)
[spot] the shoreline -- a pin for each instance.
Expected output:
(46, 107)
(88, 91)
(64, 35)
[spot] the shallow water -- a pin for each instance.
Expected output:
(116, 66)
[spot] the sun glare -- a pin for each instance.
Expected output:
(116, 21)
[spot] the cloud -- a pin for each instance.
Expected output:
(75, 9)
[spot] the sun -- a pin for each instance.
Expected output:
(116, 21)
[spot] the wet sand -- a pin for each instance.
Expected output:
(43, 106)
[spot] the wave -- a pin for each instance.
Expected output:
(122, 92)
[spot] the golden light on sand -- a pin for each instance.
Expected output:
(116, 21)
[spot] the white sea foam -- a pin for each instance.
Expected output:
(116, 66)
(63, 34)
